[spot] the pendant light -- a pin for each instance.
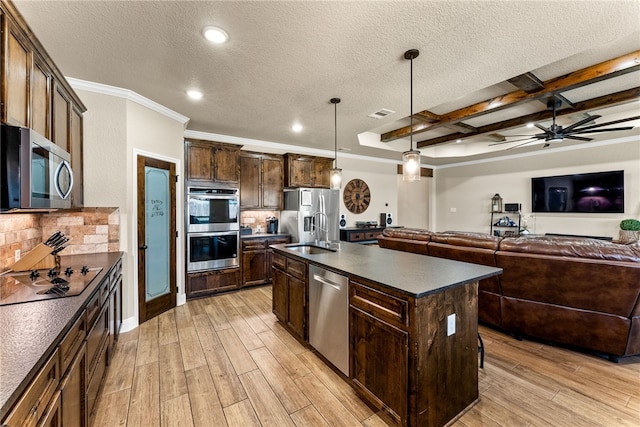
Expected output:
(335, 173)
(411, 158)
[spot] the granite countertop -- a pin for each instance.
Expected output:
(31, 331)
(412, 274)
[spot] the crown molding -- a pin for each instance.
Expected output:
(127, 94)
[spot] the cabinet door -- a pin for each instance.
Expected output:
(61, 117)
(73, 392)
(321, 168)
(40, 96)
(280, 296)
(254, 266)
(15, 99)
(249, 181)
(52, 417)
(297, 306)
(226, 165)
(276, 241)
(379, 362)
(300, 172)
(199, 162)
(272, 182)
(77, 161)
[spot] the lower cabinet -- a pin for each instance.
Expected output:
(256, 259)
(379, 350)
(209, 282)
(64, 392)
(72, 389)
(290, 289)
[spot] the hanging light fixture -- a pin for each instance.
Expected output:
(411, 158)
(336, 172)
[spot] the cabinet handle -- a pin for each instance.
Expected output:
(143, 247)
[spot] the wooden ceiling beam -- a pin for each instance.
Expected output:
(589, 104)
(605, 70)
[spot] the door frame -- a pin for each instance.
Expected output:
(132, 239)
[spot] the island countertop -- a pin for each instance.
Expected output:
(30, 331)
(412, 274)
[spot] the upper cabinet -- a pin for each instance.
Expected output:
(261, 181)
(212, 162)
(306, 171)
(36, 94)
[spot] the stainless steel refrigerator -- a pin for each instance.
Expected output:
(310, 214)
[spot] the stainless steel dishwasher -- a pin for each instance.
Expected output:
(329, 316)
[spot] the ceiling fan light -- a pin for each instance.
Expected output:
(555, 139)
(411, 165)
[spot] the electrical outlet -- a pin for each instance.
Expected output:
(451, 324)
(17, 254)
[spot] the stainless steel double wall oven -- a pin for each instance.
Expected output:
(213, 227)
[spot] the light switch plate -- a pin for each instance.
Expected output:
(451, 324)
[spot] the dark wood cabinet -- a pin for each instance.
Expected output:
(213, 162)
(360, 235)
(379, 345)
(261, 181)
(213, 281)
(36, 95)
(17, 74)
(72, 389)
(290, 290)
(256, 259)
(306, 171)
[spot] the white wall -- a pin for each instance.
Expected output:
(116, 130)
(468, 188)
(380, 176)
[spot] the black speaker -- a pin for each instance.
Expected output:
(343, 221)
(386, 220)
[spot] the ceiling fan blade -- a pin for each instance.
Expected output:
(580, 123)
(524, 143)
(602, 130)
(541, 127)
(530, 137)
(628, 119)
(578, 138)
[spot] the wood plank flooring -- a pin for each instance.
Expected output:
(226, 361)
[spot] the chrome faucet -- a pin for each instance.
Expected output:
(320, 225)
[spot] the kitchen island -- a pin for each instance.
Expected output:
(412, 328)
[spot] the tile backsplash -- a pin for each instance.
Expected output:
(89, 230)
(257, 220)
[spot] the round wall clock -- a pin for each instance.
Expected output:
(356, 196)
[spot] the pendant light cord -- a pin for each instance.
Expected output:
(335, 132)
(411, 108)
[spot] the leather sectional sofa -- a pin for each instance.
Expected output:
(575, 291)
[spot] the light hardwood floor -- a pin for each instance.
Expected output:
(226, 361)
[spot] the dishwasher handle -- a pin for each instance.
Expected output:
(327, 282)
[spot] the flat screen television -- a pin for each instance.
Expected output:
(599, 192)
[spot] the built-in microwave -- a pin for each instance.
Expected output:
(207, 251)
(36, 173)
(212, 209)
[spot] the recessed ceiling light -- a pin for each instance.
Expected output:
(296, 127)
(194, 94)
(530, 125)
(215, 34)
(458, 141)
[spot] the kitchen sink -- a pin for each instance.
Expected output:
(309, 249)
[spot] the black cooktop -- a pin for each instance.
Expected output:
(27, 286)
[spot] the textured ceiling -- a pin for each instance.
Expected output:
(285, 60)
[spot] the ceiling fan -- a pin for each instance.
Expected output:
(556, 133)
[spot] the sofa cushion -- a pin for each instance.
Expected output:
(571, 247)
(469, 239)
(407, 233)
